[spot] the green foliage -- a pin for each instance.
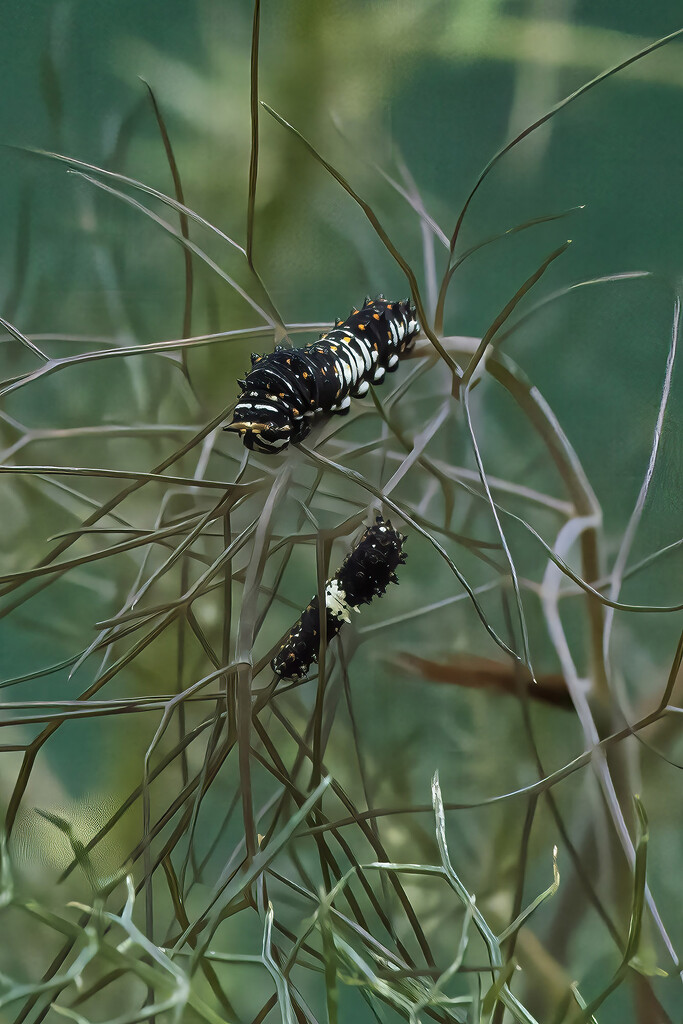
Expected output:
(186, 837)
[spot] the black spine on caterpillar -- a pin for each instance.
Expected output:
(366, 573)
(286, 389)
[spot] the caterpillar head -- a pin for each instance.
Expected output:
(263, 424)
(261, 437)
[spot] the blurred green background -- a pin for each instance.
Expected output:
(437, 87)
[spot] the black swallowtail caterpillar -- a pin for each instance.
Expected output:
(287, 388)
(366, 573)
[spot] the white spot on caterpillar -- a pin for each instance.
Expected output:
(358, 360)
(335, 601)
(366, 353)
(267, 407)
(394, 332)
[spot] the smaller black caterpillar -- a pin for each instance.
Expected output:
(287, 388)
(365, 573)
